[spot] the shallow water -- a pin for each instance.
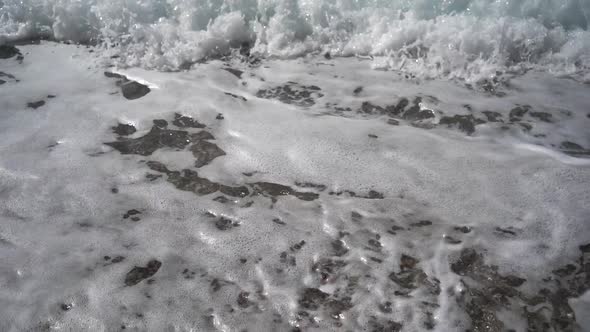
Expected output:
(307, 194)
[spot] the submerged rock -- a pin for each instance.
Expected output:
(205, 152)
(189, 180)
(312, 298)
(183, 121)
(292, 93)
(130, 89)
(274, 190)
(36, 104)
(465, 123)
(124, 129)
(139, 273)
(156, 139)
(134, 90)
(8, 51)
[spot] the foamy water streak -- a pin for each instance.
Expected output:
(461, 38)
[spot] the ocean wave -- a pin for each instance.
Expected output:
(467, 39)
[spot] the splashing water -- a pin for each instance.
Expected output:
(461, 38)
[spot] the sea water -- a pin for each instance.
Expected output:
(294, 165)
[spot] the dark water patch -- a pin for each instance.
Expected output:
(507, 232)
(8, 51)
(225, 224)
(339, 248)
(236, 96)
(132, 214)
(237, 73)
(422, 223)
(293, 93)
(517, 113)
(452, 240)
(36, 104)
(274, 190)
(278, 221)
(108, 260)
(188, 274)
(189, 180)
(131, 89)
(465, 123)
(139, 273)
(318, 187)
(328, 268)
(158, 137)
(410, 277)
(183, 121)
(372, 194)
(205, 152)
(543, 116)
(123, 129)
(463, 229)
(222, 199)
(312, 298)
(574, 150)
(376, 325)
(287, 259)
(493, 116)
(487, 292)
(243, 300)
(416, 112)
(4, 77)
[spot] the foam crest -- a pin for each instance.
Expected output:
(464, 39)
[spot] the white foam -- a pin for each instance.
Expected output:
(466, 39)
(58, 216)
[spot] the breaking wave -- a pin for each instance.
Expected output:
(468, 39)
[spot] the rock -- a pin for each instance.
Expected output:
(467, 258)
(493, 116)
(292, 93)
(543, 116)
(274, 190)
(205, 152)
(189, 180)
(138, 273)
(465, 123)
(235, 96)
(416, 113)
(243, 300)
(312, 298)
(183, 121)
(157, 138)
(571, 146)
(130, 89)
(36, 104)
(124, 129)
(8, 51)
(134, 90)
(393, 122)
(224, 224)
(518, 112)
(237, 73)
